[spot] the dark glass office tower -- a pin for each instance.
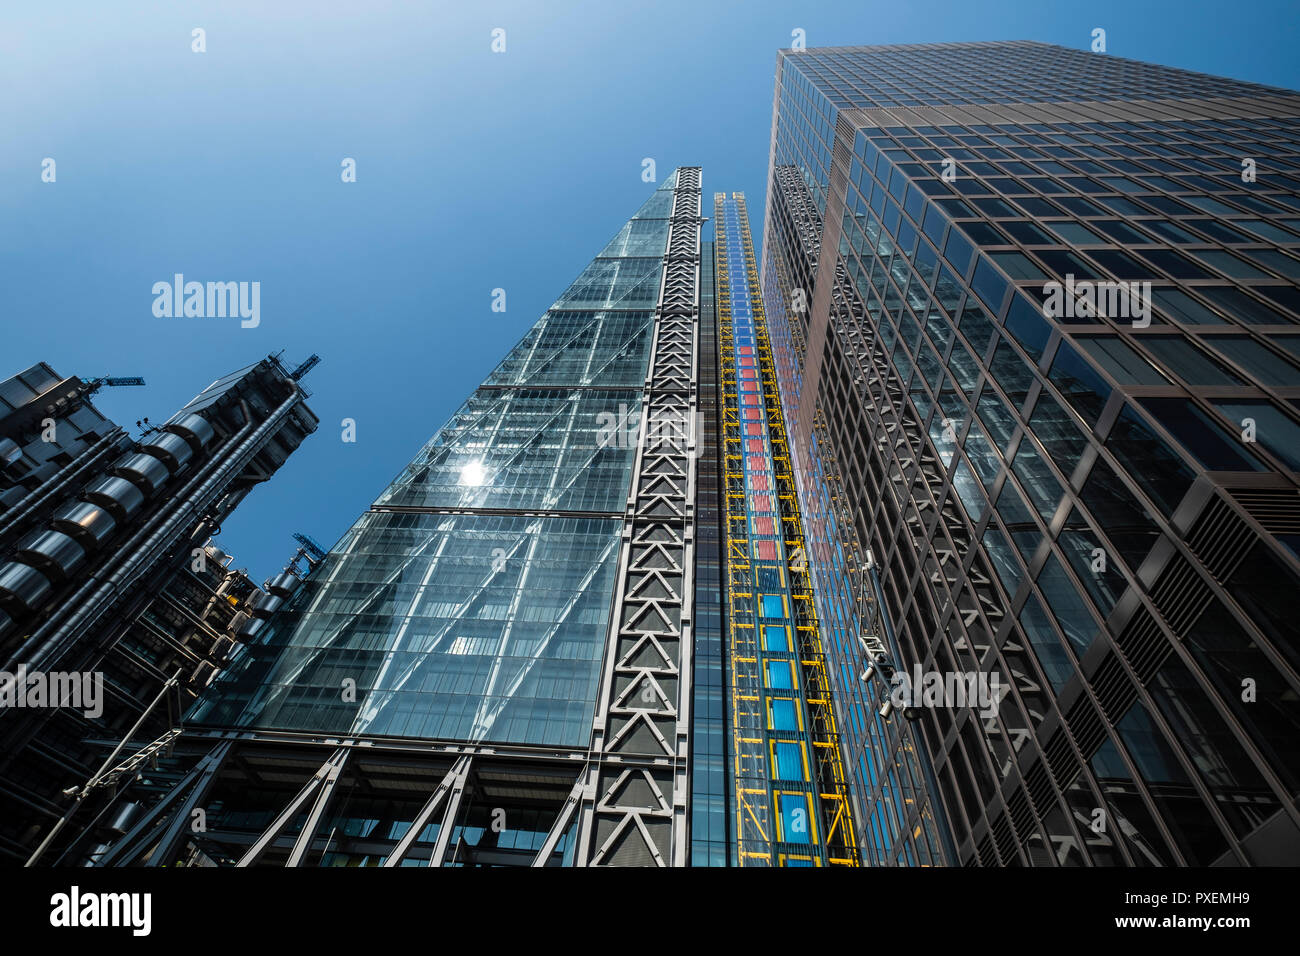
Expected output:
(493, 666)
(1036, 320)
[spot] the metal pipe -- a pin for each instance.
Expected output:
(60, 481)
(93, 782)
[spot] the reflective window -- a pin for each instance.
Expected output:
(1204, 438)
(1123, 362)
(1269, 425)
(1067, 605)
(1079, 383)
(1188, 362)
(1149, 460)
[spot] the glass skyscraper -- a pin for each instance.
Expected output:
(493, 666)
(1036, 321)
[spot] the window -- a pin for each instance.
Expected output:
(1010, 371)
(1181, 307)
(1051, 653)
(1225, 651)
(1118, 358)
(989, 285)
(1067, 605)
(1079, 383)
(775, 638)
(1176, 801)
(997, 418)
(1149, 460)
(1059, 432)
(1128, 524)
(1092, 564)
(1242, 307)
(1185, 360)
(1258, 361)
(1201, 436)
(1003, 558)
(1074, 233)
(1037, 478)
(1028, 327)
(780, 675)
(1119, 231)
(1273, 429)
(788, 757)
(783, 714)
(1019, 521)
(773, 605)
(976, 326)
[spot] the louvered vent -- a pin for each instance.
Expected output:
(1006, 840)
(1180, 595)
(1278, 510)
(1064, 766)
(984, 849)
(1086, 728)
(1039, 784)
(1115, 692)
(1221, 539)
(1021, 813)
(1144, 645)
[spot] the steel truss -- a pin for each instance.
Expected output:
(365, 765)
(755, 830)
(633, 804)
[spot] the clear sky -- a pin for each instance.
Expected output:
(475, 171)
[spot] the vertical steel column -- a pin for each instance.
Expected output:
(634, 809)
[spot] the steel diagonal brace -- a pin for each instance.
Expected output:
(561, 823)
(288, 813)
(317, 811)
(459, 770)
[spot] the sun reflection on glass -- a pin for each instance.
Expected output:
(473, 473)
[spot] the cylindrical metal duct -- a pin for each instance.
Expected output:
(194, 429)
(266, 605)
(88, 523)
(145, 471)
(174, 450)
(124, 817)
(250, 629)
(24, 586)
(118, 495)
(54, 553)
(285, 584)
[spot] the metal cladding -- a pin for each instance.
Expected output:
(266, 605)
(10, 452)
(634, 808)
(285, 584)
(118, 495)
(172, 449)
(90, 524)
(250, 629)
(53, 553)
(194, 429)
(6, 622)
(23, 586)
(145, 471)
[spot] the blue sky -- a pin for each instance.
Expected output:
(475, 171)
